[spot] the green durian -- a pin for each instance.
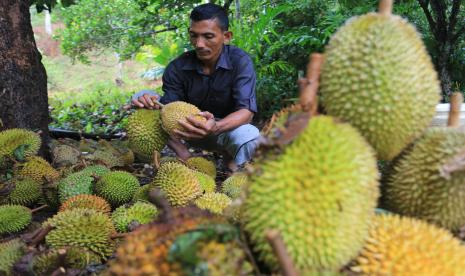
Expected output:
(378, 76)
(320, 194)
(117, 187)
(139, 212)
(14, 218)
(10, 253)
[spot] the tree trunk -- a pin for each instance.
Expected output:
(442, 61)
(23, 80)
(48, 23)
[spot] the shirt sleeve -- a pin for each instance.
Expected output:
(244, 86)
(173, 88)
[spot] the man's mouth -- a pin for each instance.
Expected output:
(202, 53)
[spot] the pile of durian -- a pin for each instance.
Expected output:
(316, 182)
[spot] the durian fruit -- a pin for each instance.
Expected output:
(279, 119)
(75, 258)
(26, 192)
(224, 258)
(378, 76)
(145, 251)
(14, 218)
(11, 139)
(178, 111)
(142, 194)
(178, 182)
(319, 194)
(139, 213)
(415, 187)
(10, 253)
(37, 169)
(86, 202)
(145, 132)
(166, 159)
(80, 182)
(108, 158)
(84, 228)
(117, 187)
(405, 246)
(234, 185)
(207, 184)
(202, 164)
(213, 202)
(64, 155)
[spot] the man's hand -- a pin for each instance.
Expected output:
(147, 100)
(195, 129)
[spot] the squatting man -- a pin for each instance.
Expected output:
(217, 78)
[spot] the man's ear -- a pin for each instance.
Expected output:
(227, 36)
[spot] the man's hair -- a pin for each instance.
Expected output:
(210, 12)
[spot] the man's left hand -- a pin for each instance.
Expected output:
(195, 129)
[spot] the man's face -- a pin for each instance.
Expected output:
(207, 38)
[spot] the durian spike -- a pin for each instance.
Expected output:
(456, 101)
(308, 86)
(279, 248)
(385, 7)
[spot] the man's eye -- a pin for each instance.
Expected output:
(208, 36)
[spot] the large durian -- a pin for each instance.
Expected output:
(10, 253)
(84, 228)
(415, 186)
(12, 139)
(117, 187)
(378, 76)
(319, 193)
(178, 182)
(178, 111)
(404, 246)
(14, 218)
(139, 213)
(145, 132)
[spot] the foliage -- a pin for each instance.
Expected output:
(100, 111)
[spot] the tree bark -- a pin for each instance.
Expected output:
(23, 80)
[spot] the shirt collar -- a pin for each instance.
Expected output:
(192, 63)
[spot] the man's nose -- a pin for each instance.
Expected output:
(199, 43)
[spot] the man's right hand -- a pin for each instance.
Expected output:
(146, 99)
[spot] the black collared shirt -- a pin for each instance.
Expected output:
(229, 88)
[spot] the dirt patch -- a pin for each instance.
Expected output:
(46, 43)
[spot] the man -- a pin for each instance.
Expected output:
(217, 78)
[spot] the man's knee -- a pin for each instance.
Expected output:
(240, 142)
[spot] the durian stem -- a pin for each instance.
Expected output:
(308, 86)
(385, 7)
(119, 235)
(39, 208)
(248, 252)
(159, 103)
(454, 111)
(279, 248)
(40, 236)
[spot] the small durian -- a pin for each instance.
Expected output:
(202, 164)
(37, 169)
(142, 194)
(10, 253)
(213, 202)
(178, 182)
(139, 213)
(14, 218)
(86, 202)
(75, 258)
(26, 192)
(117, 187)
(12, 139)
(234, 185)
(207, 183)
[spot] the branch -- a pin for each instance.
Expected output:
(439, 7)
(159, 31)
(457, 35)
(432, 25)
(453, 16)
